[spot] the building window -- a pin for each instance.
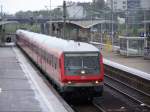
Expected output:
(124, 7)
(124, 2)
(115, 2)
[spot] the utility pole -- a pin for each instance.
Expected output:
(112, 18)
(126, 19)
(64, 17)
(1, 11)
(50, 18)
(144, 22)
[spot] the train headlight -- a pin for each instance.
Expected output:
(82, 71)
(69, 82)
(96, 82)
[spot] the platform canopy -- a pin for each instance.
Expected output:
(86, 23)
(7, 22)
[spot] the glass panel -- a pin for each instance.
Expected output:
(133, 44)
(123, 44)
(76, 63)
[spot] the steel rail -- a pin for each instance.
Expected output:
(142, 92)
(99, 107)
(127, 95)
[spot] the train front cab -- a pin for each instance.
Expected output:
(83, 73)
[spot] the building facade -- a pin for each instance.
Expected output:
(117, 5)
(122, 5)
(76, 11)
(128, 4)
(145, 4)
(133, 4)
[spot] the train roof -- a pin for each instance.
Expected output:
(58, 43)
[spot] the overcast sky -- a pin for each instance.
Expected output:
(12, 6)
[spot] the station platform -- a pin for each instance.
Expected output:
(21, 90)
(132, 62)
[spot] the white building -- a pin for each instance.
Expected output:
(122, 5)
(145, 4)
(118, 5)
(76, 11)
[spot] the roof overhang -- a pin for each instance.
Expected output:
(146, 21)
(86, 24)
(8, 22)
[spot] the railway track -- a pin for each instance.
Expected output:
(139, 97)
(99, 107)
(131, 77)
(87, 107)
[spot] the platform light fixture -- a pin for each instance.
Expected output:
(96, 82)
(69, 82)
(82, 71)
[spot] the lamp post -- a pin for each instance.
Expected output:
(50, 10)
(50, 15)
(144, 23)
(126, 22)
(64, 17)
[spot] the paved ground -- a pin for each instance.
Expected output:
(16, 93)
(22, 89)
(133, 62)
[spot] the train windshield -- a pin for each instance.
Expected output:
(84, 63)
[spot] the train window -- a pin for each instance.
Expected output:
(46, 54)
(54, 62)
(36, 50)
(39, 51)
(55, 66)
(43, 54)
(33, 47)
(75, 63)
(57, 63)
(50, 59)
(91, 63)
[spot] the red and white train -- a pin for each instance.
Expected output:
(74, 67)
